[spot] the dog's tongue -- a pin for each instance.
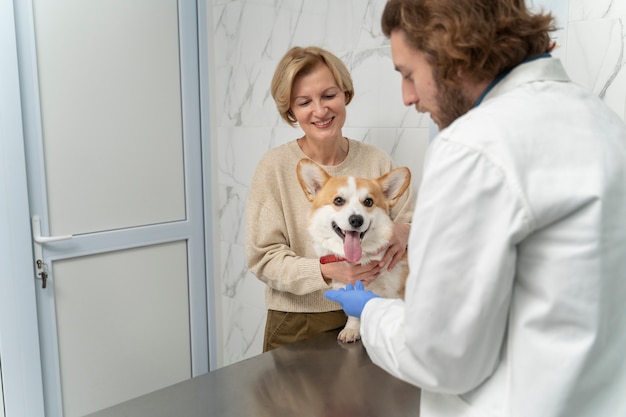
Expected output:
(352, 246)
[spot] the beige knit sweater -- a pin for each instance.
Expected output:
(278, 246)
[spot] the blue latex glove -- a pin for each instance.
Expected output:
(351, 298)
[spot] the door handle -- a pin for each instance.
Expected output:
(45, 239)
(38, 240)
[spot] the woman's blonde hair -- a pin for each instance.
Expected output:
(299, 62)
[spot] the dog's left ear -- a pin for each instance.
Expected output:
(394, 184)
(311, 177)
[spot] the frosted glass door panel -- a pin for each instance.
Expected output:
(123, 328)
(109, 83)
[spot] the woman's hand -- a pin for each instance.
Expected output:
(350, 273)
(397, 245)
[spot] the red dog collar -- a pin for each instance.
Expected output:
(331, 258)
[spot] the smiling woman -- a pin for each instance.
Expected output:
(311, 88)
(299, 62)
(319, 107)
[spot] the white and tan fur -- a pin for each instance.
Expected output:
(350, 218)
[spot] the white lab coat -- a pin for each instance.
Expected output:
(516, 298)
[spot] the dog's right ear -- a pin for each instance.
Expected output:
(311, 177)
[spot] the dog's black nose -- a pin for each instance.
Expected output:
(356, 220)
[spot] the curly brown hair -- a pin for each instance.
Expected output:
(478, 38)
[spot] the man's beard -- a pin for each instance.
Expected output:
(452, 102)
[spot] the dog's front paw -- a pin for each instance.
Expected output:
(350, 332)
(349, 335)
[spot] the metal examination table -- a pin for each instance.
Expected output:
(317, 377)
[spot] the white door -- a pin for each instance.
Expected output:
(110, 95)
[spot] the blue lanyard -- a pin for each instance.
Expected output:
(504, 74)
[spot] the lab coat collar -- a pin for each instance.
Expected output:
(546, 69)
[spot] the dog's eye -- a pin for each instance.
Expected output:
(368, 202)
(338, 201)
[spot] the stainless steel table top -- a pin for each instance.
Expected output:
(317, 377)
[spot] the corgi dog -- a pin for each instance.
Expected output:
(350, 220)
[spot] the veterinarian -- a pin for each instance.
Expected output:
(311, 88)
(516, 298)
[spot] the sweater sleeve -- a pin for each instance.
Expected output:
(276, 252)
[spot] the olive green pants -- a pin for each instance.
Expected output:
(284, 328)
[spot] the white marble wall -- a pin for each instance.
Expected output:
(248, 37)
(596, 51)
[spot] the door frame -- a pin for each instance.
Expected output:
(209, 171)
(22, 382)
